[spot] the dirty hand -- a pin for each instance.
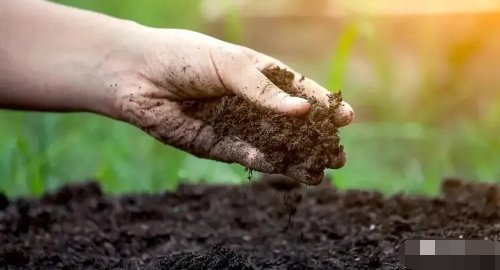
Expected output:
(184, 65)
(133, 73)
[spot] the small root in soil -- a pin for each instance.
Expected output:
(311, 141)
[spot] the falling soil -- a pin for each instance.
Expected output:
(235, 227)
(310, 141)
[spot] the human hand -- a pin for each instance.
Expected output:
(140, 75)
(179, 65)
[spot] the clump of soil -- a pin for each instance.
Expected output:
(311, 140)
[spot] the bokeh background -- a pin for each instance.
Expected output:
(422, 76)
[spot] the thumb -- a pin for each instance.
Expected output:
(259, 90)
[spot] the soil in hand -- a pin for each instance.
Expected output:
(235, 227)
(311, 142)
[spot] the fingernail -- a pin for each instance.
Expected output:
(344, 115)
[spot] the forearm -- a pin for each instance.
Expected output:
(60, 59)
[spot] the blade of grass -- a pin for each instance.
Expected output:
(341, 56)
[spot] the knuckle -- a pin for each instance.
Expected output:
(265, 86)
(267, 90)
(221, 151)
(198, 139)
(182, 133)
(249, 157)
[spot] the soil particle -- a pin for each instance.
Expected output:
(311, 140)
(236, 227)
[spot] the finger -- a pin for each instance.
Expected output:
(239, 74)
(344, 112)
(344, 115)
(232, 150)
(300, 173)
(310, 87)
(339, 161)
(258, 89)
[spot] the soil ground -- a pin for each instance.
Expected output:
(235, 227)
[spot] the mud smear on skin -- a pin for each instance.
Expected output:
(312, 139)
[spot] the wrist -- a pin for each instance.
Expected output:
(116, 68)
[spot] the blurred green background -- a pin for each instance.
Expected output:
(404, 139)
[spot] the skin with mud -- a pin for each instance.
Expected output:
(309, 144)
(198, 227)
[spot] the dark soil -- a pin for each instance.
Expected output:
(310, 142)
(235, 227)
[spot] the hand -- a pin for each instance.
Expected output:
(185, 65)
(137, 74)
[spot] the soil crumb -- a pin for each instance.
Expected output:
(291, 201)
(206, 227)
(312, 140)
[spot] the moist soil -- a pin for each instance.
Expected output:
(235, 227)
(310, 142)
